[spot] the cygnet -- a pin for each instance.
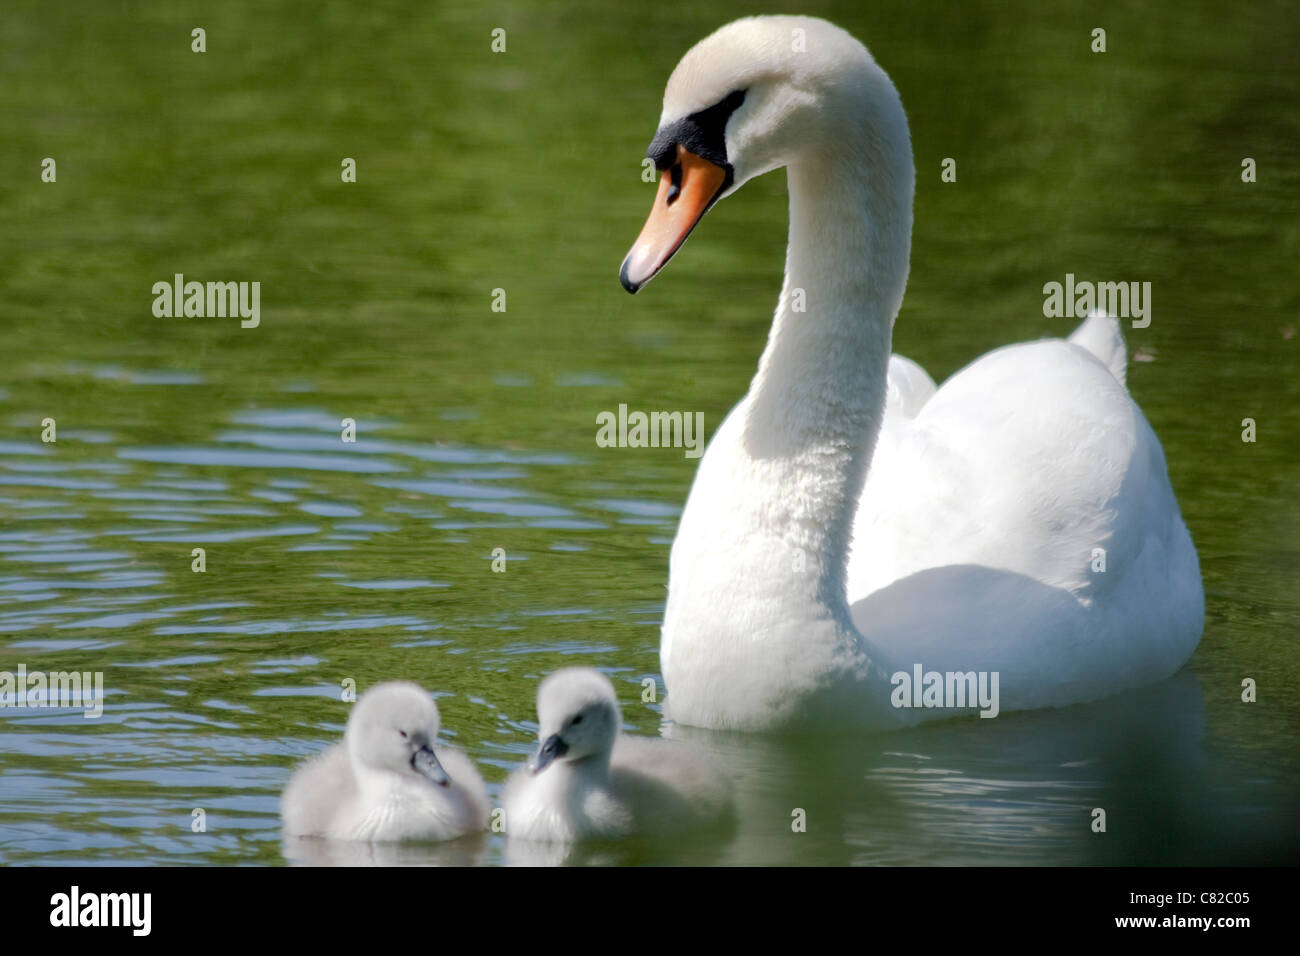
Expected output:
(589, 781)
(385, 781)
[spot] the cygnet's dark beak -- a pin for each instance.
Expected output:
(551, 748)
(426, 762)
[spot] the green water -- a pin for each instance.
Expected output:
(521, 171)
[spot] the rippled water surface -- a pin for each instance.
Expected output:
(372, 560)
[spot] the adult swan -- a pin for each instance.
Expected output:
(1016, 523)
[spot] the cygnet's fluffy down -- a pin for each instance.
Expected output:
(385, 782)
(588, 781)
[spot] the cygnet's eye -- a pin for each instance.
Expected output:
(402, 732)
(578, 719)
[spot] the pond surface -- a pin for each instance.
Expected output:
(475, 429)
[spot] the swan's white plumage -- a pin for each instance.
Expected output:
(366, 789)
(1100, 335)
(798, 581)
(607, 784)
(1032, 463)
(910, 387)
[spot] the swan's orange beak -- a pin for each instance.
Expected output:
(686, 191)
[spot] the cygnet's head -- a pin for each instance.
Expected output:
(393, 727)
(578, 716)
(755, 95)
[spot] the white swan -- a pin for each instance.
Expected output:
(587, 780)
(798, 585)
(385, 782)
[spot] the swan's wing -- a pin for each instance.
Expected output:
(1100, 335)
(909, 387)
(1034, 465)
(1026, 460)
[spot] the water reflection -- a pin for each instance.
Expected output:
(310, 851)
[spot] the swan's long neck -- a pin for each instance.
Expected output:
(757, 620)
(815, 406)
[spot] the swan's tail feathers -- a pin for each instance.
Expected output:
(910, 387)
(1100, 335)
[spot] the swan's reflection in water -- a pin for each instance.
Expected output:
(1017, 789)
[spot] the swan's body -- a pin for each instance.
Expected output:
(385, 783)
(588, 781)
(805, 571)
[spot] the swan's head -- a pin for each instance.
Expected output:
(578, 716)
(392, 728)
(755, 95)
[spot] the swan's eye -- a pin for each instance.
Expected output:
(578, 719)
(674, 185)
(403, 733)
